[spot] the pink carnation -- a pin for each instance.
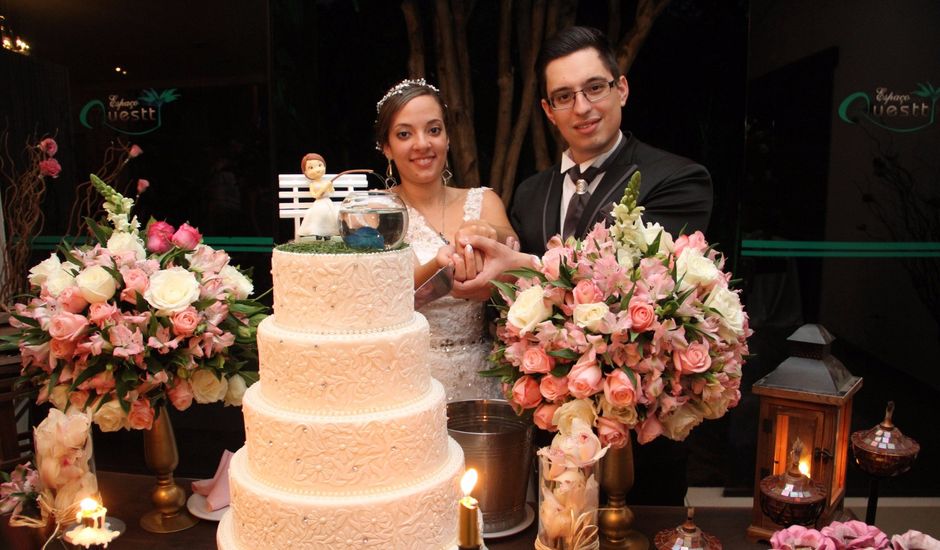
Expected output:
(49, 147)
(142, 185)
(50, 167)
(134, 152)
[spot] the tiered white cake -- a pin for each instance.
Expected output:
(346, 440)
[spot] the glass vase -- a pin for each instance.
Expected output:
(65, 462)
(568, 501)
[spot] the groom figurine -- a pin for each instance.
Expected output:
(583, 95)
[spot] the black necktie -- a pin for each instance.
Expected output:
(581, 197)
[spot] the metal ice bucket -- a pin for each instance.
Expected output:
(498, 443)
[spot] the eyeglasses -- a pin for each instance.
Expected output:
(593, 92)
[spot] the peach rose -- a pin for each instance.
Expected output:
(619, 389)
(536, 361)
(612, 432)
(693, 359)
(181, 395)
(648, 430)
(642, 315)
(543, 416)
(185, 322)
(526, 392)
(554, 388)
(140, 416)
(67, 326)
(71, 299)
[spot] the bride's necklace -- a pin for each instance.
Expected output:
(440, 233)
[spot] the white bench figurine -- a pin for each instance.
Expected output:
(310, 197)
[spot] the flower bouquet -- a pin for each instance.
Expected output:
(644, 328)
(850, 535)
(117, 329)
(19, 496)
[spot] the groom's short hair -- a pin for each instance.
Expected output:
(571, 40)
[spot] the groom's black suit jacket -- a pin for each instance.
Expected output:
(675, 191)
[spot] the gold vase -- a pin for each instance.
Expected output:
(615, 520)
(169, 499)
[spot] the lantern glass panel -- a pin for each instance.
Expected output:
(789, 425)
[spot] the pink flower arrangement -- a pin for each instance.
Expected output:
(118, 330)
(849, 535)
(644, 327)
(19, 492)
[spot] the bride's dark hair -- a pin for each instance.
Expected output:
(395, 99)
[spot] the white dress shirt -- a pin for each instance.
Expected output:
(568, 186)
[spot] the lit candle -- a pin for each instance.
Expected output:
(468, 526)
(91, 514)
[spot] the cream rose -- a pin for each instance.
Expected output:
(172, 290)
(653, 230)
(96, 284)
(127, 242)
(41, 271)
(207, 388)
(590, 316)
(695, 269)
(58, 281)
(236, 389)
(240, 285)
(110, 417)
(528, 310)
(578, 409)
(728, 304)
(677, 425)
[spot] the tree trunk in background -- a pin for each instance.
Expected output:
(505, 82)
(409, 9)
(646, 13)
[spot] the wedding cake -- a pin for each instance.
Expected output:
(346, 441)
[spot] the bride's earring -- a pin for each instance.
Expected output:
(390, 180)
(447, 175)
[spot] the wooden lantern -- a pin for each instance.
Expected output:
(808, 396)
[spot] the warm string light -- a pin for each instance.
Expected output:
(10, 41)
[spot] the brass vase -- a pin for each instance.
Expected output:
(169, 499)
(615, 520)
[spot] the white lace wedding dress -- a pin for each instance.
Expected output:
(458, 348)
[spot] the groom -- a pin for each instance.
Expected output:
(584, 94)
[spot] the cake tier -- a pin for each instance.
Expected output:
(343, 373)
(421, 516)
(342, 292)
(358, 454)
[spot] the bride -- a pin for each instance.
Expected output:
(411, 133)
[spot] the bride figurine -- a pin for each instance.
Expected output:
(322, 218)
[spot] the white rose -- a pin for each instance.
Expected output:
(590, 316)
(234, 279)
(96, 284)
(123, 242)
(695, 269)
(172, 290)
(528, 310)
(574, 413)
(110, 417)
(57, 281)
(677, 425)
(236, 389)
(41, 271)
(728, 305)
(207, 388)
(653, 230)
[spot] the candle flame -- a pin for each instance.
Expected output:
(88, 504)
(468, 481)
(804, 467)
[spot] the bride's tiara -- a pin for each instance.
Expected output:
(401, 87)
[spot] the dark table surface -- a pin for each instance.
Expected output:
(127, 497)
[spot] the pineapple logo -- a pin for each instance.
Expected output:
(127, 115)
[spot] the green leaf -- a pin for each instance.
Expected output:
(507, 289)
(527, 273)
(101, 233)
(631, 375)
(69, 257)
(561, 370)
(89, 372)
(653, 248)
(564, 353)
(500, 371)
(114, 273)
(250, 376)
(26, 320)
(247, 307)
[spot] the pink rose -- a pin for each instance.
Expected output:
(185, 322)
(551, 261)
(612, 432)
(536, 361)
(71, 299)
(642, 315)
(695, 241)
(543, 416)
(586, 292)
(49, 147)
(186, 237)
(61, 349)
(798, 536)
(101, 312)
(648, 430)
(135, 281)
(158, 237)
(554, 388)
(142, 185)
(50, 167)
(854, 534)
(693, 359)
(619, 390)
(67, 326)
(134, 152)
(585, 379)
(140, 416)
(526, 392)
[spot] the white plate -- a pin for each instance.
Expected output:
(525, 523)
(197, 506)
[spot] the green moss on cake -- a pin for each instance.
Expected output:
(332, 246)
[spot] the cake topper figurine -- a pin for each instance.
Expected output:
(322, 219)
